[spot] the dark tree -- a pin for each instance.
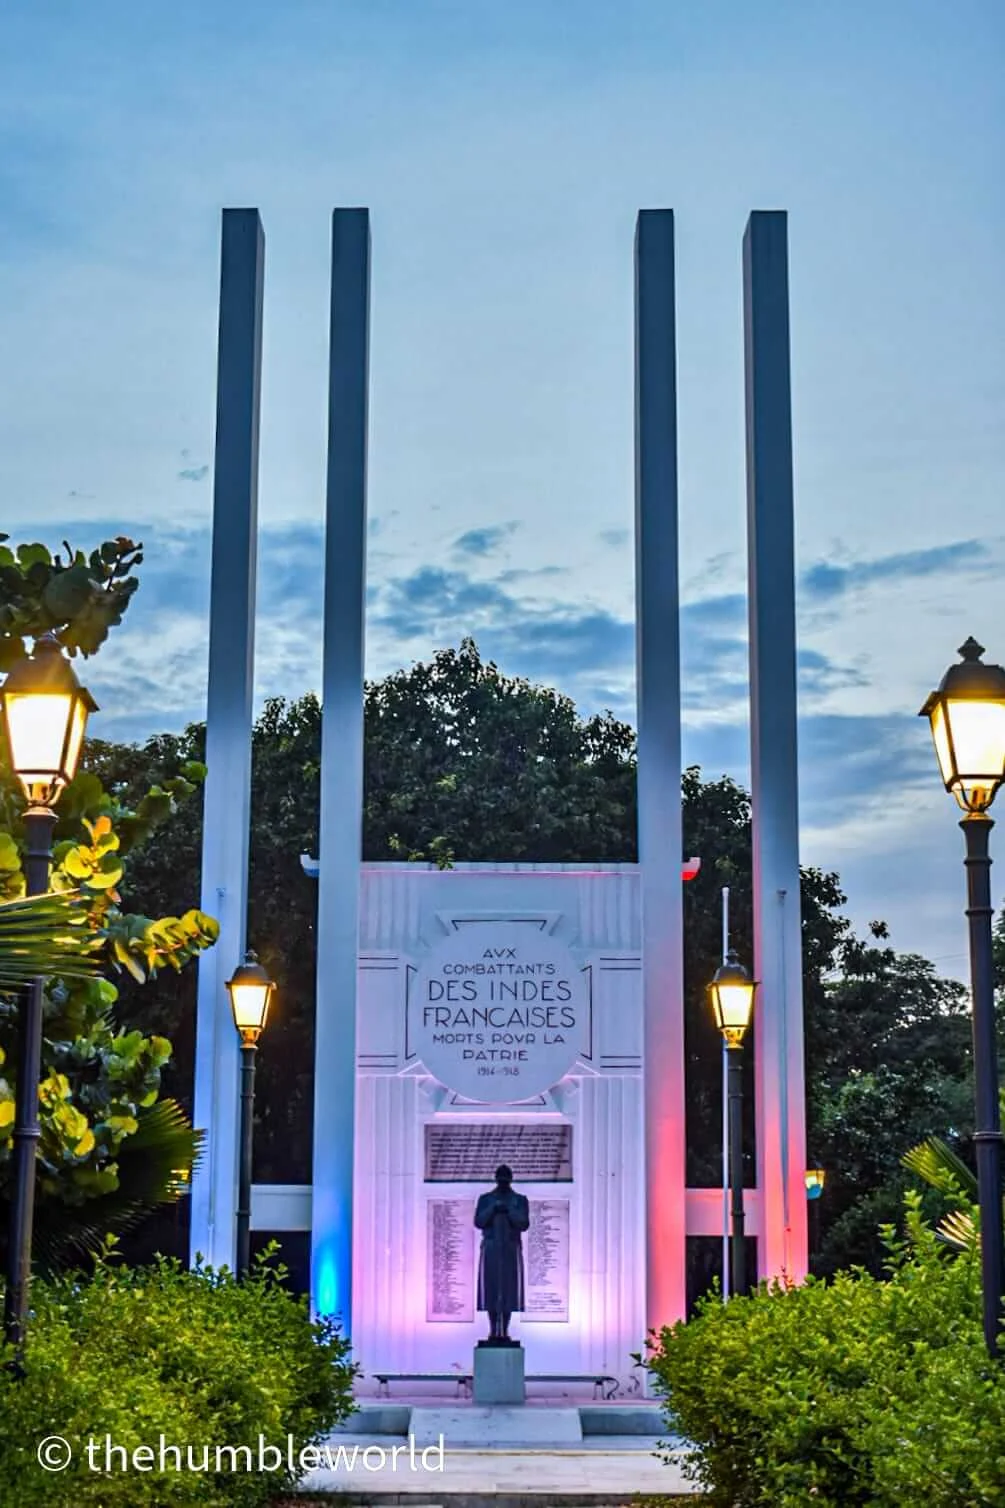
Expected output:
(464, 763)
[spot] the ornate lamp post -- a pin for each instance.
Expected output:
(250, 990)
(967, 717)
(45, 712)
(815, 1179)
(732, 995)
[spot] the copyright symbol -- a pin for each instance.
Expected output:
(54, 1453)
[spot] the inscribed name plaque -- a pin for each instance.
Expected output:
(450, 1257)
(499, 1011)
(471, 1153)
(546, 1261)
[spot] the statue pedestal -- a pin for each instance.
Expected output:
(499, 1375)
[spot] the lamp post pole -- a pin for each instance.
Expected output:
(734, 1054)
(249, 1052)
(250, 990)
(988, 1135)
(45, 711)
(966, 714)
(815, 1179)
(732, 996)
(39, 822)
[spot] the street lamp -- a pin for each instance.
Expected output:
(967, 717)
(45, 712)
(815, 1179)
(250, 990)
(732, 995)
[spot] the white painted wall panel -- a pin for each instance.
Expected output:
(400, 918)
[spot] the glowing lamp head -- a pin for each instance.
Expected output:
(732, 996)
(815, 1179)
(250, 991)
(967, 717)
(45, 712)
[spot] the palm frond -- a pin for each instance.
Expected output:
(959, 1231)
(42, 935)
(937, 1164)
(155, 1168)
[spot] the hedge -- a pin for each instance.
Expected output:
(853, 1392)
(164, 1356)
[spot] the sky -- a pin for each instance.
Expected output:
(504, 152)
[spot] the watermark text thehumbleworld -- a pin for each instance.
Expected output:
(101, 1454)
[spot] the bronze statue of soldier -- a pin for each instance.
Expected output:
(501, 1215)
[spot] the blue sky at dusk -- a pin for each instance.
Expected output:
(503, 151)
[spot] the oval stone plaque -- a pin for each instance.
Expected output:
(501, 1011)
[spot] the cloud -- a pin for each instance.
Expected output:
(502, 339)
(825, 581)
(869, 804)
(527, 573)
(715, 662)
(614, 539)
(585, 650)
(434, 603)
(524, 618)
(728, 610)
(193, 474)
(849, 762)
(817, 675)
(480, 542)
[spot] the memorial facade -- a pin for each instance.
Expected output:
(500, 1021)
(522, 1015)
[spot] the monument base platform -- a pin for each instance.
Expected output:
(498, 1375)
(496, 1427)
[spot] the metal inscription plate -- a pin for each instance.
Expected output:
(546, 1261)
(450, 1248)
(471, 1153)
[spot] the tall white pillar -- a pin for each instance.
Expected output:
(227, 797)
(341, 768)
(780, 1088)
(659, 763)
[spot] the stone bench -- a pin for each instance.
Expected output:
(384, 1380)
(603, 1385)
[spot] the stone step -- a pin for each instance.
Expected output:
(622, 1419)
(495, 1427)
(379, 1419)
(587, 1476)
(492, 1499)
(602, 1419)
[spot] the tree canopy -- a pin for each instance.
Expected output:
(465, 763)
(461, 763)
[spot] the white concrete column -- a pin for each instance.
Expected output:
(659, 763)
(780, 1088)
(228, 725)
(341, 768)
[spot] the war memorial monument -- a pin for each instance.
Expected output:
(492, 1018)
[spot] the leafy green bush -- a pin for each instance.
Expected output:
(195, 1358)
(856, 1392)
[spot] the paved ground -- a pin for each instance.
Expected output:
(529, 1457)
(600, 1470)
